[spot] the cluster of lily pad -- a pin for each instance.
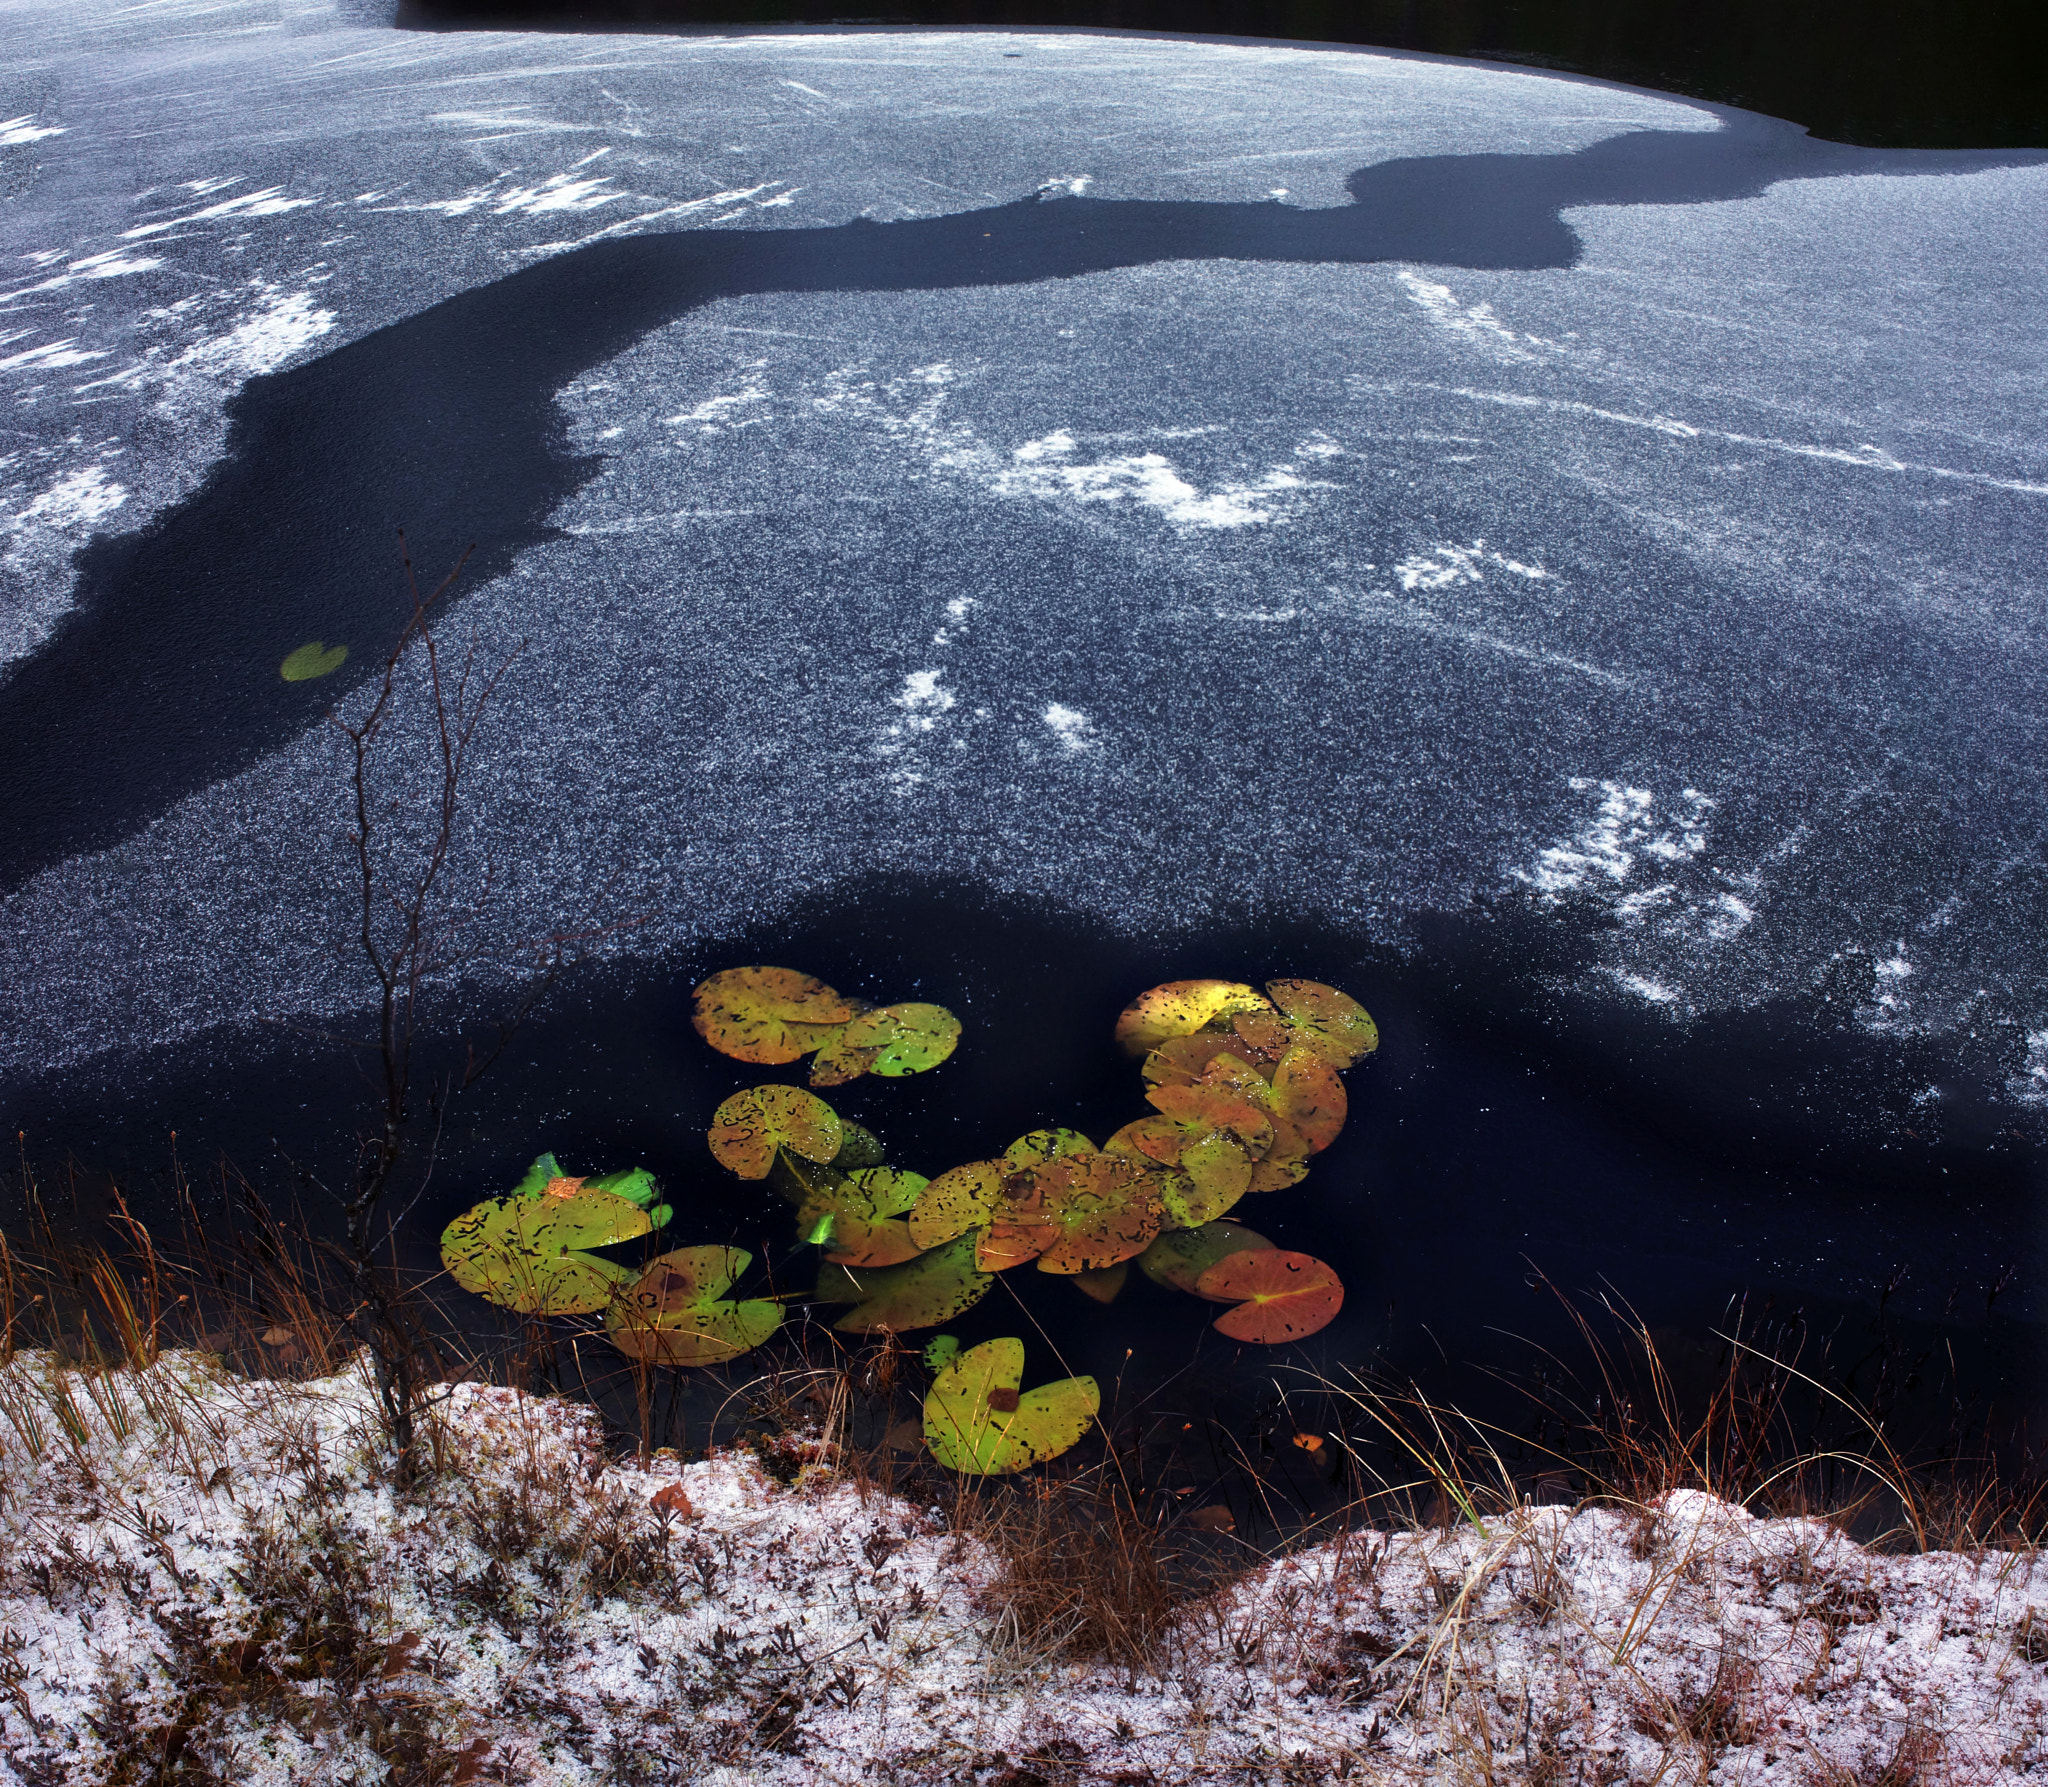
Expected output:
(1244, 1087)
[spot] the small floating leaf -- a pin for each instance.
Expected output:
(892, 1041)
(977, 1421)
(921, 1293)
(750, 1126)
(1180, 1008)
(1280, 1296)
(312, 661)
(768, 1015)
(676, 1312)
(1179, 1260)
(959, 1199)
(1105, 1283)
(1331, 1023)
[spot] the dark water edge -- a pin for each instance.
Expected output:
(1779, 1174)
(1929, 74)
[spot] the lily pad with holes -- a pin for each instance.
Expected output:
(1308, 1100)
(1180, 1008)
(1178, 1260)
(1101, 1208)
(892, 1040)
(959, 1199)
(940, 1351)
(312, 661)
(920, 1293)
(1331, 1023)
(677, 1311)
(1041, 1145)
(1280, 1296)
(749, 1127)
(769, 1015)
(979, 1422)
(525, 1251)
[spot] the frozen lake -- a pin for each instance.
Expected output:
(1175, 489)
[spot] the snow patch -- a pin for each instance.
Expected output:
(16, 131)
(1072, 728)
(1150, 480)
(1474, 326)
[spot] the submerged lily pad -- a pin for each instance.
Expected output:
(978, 1422)
(750, 1126)
(1280, 1296)
(677, 1312)
(524, 1251)
(769, 1015)
(1331, 1023)
(892, 1040)
(1178, 1260)
(920, 1293)
(312, 661)
(1104, 1284)
(1180, 1008)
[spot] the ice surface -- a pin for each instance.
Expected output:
(1734, 520)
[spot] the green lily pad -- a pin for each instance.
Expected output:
(940, 1351)
(1180, 1008)
(769, 1015)
(677, 1312)
(1331, 1023)
(978, 1422)
(1178, 1260)
(750, 1126)
(312, 661)
(858, 1148)
(524, 1251)
(892, 1040)
(959, 1199)
(920, 1293)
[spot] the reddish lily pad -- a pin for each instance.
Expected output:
(1103, 1208)
(769, 1015)
(979, 1422)
(1179, 1260)
(750, 1126)
(1180, 1008)
(1280, 1296)
(1309, 1098)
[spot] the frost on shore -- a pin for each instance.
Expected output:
(205, 1579)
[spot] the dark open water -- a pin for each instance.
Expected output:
(1776, 1173)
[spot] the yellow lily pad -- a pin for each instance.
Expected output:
(748, 1128)
(978, 1422)
(1180, 1008)
(959, 1199)
(769, 1015)
(523, 1251)
(677, 1312)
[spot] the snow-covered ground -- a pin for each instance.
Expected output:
(206, 1578)
(1676, 557)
